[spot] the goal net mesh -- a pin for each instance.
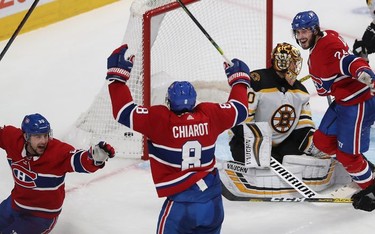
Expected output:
(169, 46)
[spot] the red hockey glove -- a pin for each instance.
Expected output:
(101, 152)
(119, 68)
(239, 72)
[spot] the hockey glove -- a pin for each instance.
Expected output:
(362, 199)
(368, 38)
(367, 77)
(101, 152)
(239, 72)
(360, 50)
(119, 68)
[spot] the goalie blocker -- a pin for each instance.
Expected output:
(254, 178)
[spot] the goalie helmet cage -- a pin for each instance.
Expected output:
(168, 46)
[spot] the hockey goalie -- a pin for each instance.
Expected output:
(255, 176)
(278, 130)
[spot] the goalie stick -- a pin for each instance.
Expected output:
(231, 197)
(309, 195)
(204, 32)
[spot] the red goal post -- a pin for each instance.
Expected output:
(168, 46)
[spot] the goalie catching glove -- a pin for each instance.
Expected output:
(367, 77)
(101, 152)
(239, 72)
(118, 67)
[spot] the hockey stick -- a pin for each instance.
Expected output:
(292, 180)
(231, 197)
(303, 79)
(18, 29)
(204, 32)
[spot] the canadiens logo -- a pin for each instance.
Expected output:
(23, 177)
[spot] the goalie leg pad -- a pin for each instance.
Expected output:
(317, 173)
(254, 182)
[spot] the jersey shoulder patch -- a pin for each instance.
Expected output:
(255, 76)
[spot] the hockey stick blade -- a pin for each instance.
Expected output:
(232, 197)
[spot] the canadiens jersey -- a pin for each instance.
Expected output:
(334, 71)
(271, 99)
(39, 186)
(181, 147)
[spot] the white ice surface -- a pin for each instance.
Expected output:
(58, 70)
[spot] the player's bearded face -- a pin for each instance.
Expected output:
(37, 144)
(305, 38)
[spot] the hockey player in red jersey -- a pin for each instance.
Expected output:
(345, 127)
(39, 164)
(181, 143)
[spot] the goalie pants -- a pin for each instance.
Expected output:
(12, 221)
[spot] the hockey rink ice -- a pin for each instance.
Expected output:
(58, 70)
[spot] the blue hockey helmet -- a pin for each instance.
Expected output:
(35, 124)
(306, 19)
(181, 97)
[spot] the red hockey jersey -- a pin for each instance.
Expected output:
(181, 147)
(334, 71)
(39, 186)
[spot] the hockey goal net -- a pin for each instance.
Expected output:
(169, 46)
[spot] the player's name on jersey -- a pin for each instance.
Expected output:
(193, 130)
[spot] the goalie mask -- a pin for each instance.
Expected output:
(35, 124)
(181, 97)
(287, 59)
(371, 7)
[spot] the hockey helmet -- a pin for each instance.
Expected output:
(35, 124)
(181, 97)
(305, 20)
(286, 58)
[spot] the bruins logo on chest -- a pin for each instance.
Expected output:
(283, 118)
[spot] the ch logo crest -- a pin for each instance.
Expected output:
(23, 177)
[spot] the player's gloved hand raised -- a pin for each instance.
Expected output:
(239, 72)
(367, 77)
(101, 152)
(359, 49)
(119, 68)
(362, 199)
(368, 38)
